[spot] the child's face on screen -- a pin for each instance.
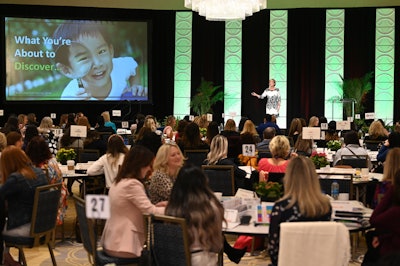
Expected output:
(92, 56)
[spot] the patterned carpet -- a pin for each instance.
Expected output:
(69, 252)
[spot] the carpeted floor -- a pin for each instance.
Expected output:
(69, 252)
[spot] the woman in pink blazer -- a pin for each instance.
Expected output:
(123, 234)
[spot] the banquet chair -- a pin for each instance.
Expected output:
(169, 240)
(345, 185)
(372, 145)
(97, 257)
(355, 161)
(314, 243)
(221, 178)
(43, 222)
(86, 155)
(195, 157)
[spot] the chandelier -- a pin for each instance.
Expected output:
(226, 9)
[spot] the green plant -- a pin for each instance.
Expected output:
(334, 145)
(271, 190)
(319, 159)
(207, 95)
(356, 89)
(64, 155)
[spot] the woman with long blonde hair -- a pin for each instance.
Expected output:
(169, 160)
(302, 201)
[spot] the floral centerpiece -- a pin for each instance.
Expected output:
(63, 155)
(334, 145)
(319, 159)
(268, 191)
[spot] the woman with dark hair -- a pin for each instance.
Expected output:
(191, 139)
(191, 198)
(385, 219)
(302, 201)
(20, 180)
(212, 131)
(352, 147)
(30, 132)
(109, 163)
(11, 125)
(39, 153)
(392, 141)
(123, 235)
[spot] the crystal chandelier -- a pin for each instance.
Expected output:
(226, 9)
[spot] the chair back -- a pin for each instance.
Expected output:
(276, 177)
(221, 178)
(372, 145)
(87, 229)
(345, 185)
(195, 157)
(86, 155)
(311, 243)
(169, 240)
(45, 211)
(355, 161)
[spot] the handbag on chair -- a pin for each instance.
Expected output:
(147, 257)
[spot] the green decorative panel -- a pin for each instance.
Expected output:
(233, 70)
(278, 58)
(384, 63)
(334, 63)
(183, 63)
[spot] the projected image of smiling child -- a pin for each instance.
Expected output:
(88, 59)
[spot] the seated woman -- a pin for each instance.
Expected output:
(148, 135)
(249, 134)
(280, 148)
(352, 147)
(168, 161)
(39, 153)
(168, 130)
(376, 131)
(294, 130)
(302, 201)
(123, 235)
(233, 136)
(385, 218)
(391, 166)
(303, 146)
(191, 139)
(392, 141)
(109, 163)
(218, 155)
(192, 199)
(20, 181)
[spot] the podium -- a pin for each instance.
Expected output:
(347, 107)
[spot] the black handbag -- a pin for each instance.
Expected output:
(147, 257)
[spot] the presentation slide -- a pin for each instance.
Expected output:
(76, 60)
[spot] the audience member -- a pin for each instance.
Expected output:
(392, 141)
(30, 132)
(11, 125)
(212, 131)
(100, 125)
(263, 146)
(169, 129)
(168, 162)
(191, 139)
(149, 136)
(109, 163)
(303, 146)
(352, 147)
(280, 150)
(123, 234)
(218, 155)
(249, 133)
(192, 199)
(294, 130)
(107, 121)
(376, 131)
(313, 122)
(267, 123)
(302, 201)
(17, 193)
(15, 138)
(41, 157)
(233, 136)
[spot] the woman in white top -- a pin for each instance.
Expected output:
(109, 163)
(273, 98)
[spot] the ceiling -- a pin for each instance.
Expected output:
(179, 4)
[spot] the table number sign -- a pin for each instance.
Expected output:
(116, 113)
(97, 206)
(249, 150)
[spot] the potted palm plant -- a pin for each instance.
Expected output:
(207, 95)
